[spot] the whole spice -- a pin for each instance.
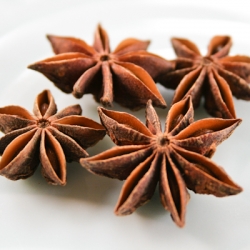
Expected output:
(47, 137)
(175, 158)
(216, 75)
(124, 75)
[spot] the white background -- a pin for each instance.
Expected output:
(35, 215)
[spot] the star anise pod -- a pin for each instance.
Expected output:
(216, 76)
(47, 137)
(175, 158)
(124, 75)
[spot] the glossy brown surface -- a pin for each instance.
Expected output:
(177, 158)
(216, 76)
(127, 75)
(47, 137)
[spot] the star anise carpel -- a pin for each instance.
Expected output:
(126, 75)
(216, 76)
(177, 158)
(47, 137)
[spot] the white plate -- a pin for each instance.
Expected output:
(35, 215)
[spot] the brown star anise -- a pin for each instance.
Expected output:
(124, 75)
(175, 158)
(47, 137)
(216, 75)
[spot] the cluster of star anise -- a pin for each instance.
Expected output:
(176, 159)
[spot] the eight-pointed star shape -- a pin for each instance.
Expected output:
(47, 137)
(216, 76)
(175, 158)
(125, 75)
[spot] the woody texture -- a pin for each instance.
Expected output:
(45, 137)
(177, 159)
(216, 76)
(126, 75)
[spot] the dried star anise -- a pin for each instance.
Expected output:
(47, 137)
(175, 158)
(216, 75)
(124, 75)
